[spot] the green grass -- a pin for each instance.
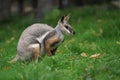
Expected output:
(97, 31)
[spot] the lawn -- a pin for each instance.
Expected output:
(97, 32)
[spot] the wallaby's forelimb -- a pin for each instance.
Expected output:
(51, 41)
(53, 51)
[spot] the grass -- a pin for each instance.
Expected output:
(97, 31)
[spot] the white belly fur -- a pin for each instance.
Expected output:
(40, 40)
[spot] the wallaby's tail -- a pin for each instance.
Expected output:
(14, 59)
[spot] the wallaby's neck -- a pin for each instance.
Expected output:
(58, 29)
(59, 32)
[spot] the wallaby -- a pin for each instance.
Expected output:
(39, 39)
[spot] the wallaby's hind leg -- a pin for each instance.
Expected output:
(36, 51)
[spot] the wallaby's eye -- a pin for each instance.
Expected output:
(66, 27)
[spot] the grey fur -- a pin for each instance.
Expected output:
(28, 37)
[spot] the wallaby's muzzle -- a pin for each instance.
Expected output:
(72, 32)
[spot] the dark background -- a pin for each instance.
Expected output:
(39, 8)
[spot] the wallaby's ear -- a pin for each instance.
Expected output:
(67, 17)
(62, 19)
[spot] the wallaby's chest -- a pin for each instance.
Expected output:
(56, 44)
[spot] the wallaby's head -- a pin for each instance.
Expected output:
(64, 26)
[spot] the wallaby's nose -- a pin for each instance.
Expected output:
(73, 32)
